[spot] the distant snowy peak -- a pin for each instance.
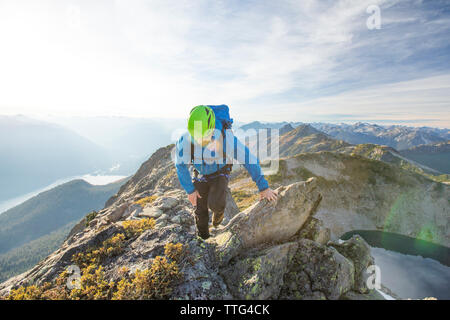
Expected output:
(396, 136)
(256, 125)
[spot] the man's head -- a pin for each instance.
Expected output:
(201, 124)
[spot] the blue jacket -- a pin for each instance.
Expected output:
(211, 162)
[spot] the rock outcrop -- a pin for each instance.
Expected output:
(266, 222)
(276, 250)
(358, 251)
(364, 194)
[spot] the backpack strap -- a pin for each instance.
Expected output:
(226, 125)
(196, 173)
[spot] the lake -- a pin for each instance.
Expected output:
(411, 268)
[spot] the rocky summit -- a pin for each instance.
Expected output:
(276, 250)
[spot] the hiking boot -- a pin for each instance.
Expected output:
(203, 235)
(217, 218)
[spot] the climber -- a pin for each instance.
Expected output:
(204, 148)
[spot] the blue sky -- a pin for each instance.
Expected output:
(269, 60)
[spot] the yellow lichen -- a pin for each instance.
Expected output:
(134, 228)
(174, 251)
(110, 247)
(154, 283)
(144, 201)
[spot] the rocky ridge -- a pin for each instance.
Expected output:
(276, 250)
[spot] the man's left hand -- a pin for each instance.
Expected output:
(268, 194)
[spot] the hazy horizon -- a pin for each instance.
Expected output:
(55, 119)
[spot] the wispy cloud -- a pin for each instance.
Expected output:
(418, 102)
(266, 59)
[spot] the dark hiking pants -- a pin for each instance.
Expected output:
(213, 196)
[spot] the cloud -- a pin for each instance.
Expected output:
(158, 58)
(418, 102)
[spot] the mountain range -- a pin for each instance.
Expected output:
(129, 141)
(34, 154)
(148, 226)
(35, 228)
(259, 252)
(395, 136)
(383, 181)
(435, 155)
(327, 187)
(296, 138)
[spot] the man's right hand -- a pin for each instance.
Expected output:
(193, 197)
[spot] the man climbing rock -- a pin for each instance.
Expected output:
(209, 148)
